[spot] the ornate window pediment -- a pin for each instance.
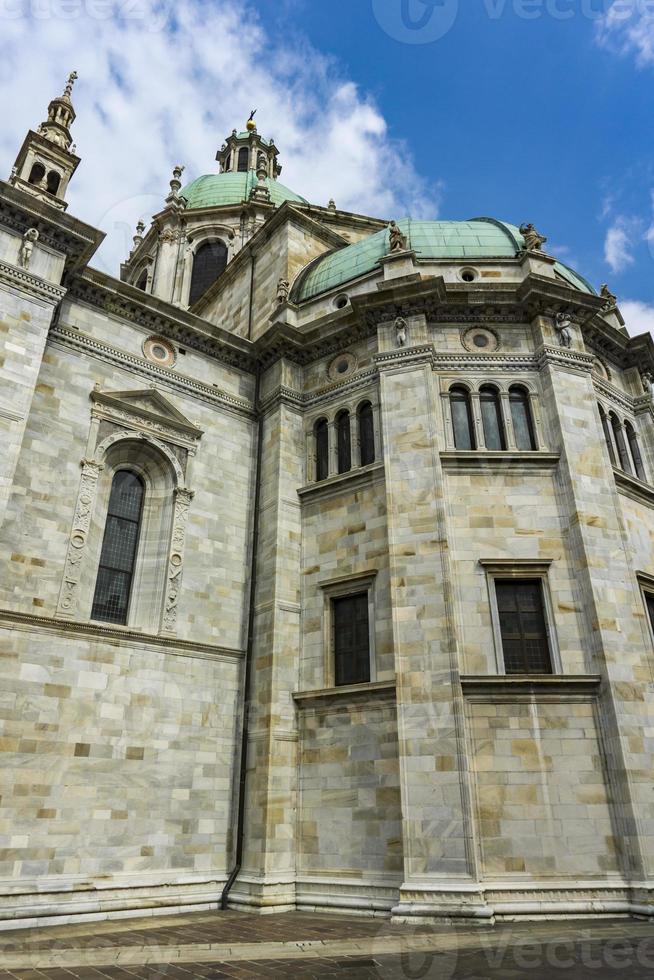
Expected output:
(146, 409)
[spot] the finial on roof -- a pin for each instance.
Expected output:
(72, 78)
(250, 124)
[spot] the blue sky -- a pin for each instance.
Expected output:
(527, 110)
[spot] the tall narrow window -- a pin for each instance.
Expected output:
(608, 435)
(491, 416)
(523, 424)
(114, 582)
(351, 639)
(621, 443)
(462, 425)
(523, 627)
(649, 603)
(243, 160)
(344, 442)
(366, 434)
(37, 173)
(321, 435)
(143, 280)
(209, 263)
(53, 182)
(635, 451)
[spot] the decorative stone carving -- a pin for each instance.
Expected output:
(648, 383)
(283, 289)
(183, 497)
(563, 327)
(401, 332)
(68, 597)
(611, 298)
(27, 247)
(398, 241)
(534, 241)
(480, 340)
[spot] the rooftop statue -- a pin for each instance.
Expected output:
(534, 241)
(398, 241)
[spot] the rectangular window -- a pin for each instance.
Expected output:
(649, 602)
(351, 639)
(523, 627)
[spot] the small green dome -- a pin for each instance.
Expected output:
(219, 190)
(474, 239)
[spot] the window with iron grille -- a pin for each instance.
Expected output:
(351, 639)
(115, 574)
(523, 626)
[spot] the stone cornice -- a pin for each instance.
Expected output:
(95, 631)
(58, 230)
(334, 697)
(27, 282)
(497, 362)
(636, 489)
(133, 305)
(365, 476)
(560, 356)
(480, 459)
(70, 337)
(519, 686)
(610, 391)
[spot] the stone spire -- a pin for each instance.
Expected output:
(245, 151)
(47, 159)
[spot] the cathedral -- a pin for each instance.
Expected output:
(327, 573)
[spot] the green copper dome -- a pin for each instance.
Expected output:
(475, 239)
(219, 190)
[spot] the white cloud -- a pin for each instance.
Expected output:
(163, 83)
(627, 27)
(618, 246)
(638, 316)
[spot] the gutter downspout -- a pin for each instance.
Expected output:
(240, 818)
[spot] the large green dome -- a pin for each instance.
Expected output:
(474, 239)
(219, 190)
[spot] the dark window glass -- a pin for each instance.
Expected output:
(635, 451)
(523, 425)
(462, 426)
(143, 280)
(351, 640)
(621, 443)
(522, 624)
(37, 173)
(608, 435)
(649, 602)
(322, 449)
(114, 583)
(491, 416)
(243, 160)
(53, 182)
(344, 442)
(366, 434)
(209, 263)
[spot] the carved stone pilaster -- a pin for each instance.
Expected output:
(68, 596)
(183, 498)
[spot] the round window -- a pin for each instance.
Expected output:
(342, 366)
(481, 340)
(478, 339)
(160, 351)
(341, 302)
(468, 275)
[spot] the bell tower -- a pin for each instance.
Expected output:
(46, 161)
(242, 152)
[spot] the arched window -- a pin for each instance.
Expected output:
(37, 173)
(491, 417)
(608, 435)
(114, 582)
(366, 433)
(344, 442)
(523, 424)
(623, 452)
(142, 282)
(209, 263)
(321, 435)
(635, 451)
(243, 160)
(53, 182)
(462, 425)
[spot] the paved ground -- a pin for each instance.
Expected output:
(298, 945)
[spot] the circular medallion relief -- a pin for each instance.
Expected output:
(480, 340)
(160, 352)
(342, 366)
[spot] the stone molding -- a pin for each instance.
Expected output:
(458, 361)
(335, 485)
(183, 498)
(405, 357)
(458, 459)
(70, 337)
(335, 696)
(570, 359)
(634, 488)
(27, 282)
(183, 648)
(161, 417)
(610, 391)
(517, 687)
(68, 595)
